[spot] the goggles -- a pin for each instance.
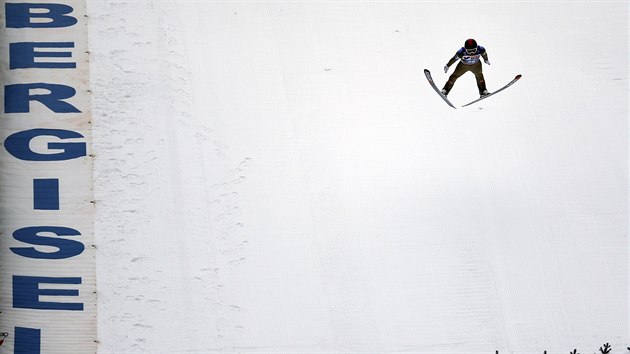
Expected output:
(471, 51)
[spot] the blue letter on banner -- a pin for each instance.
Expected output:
(46, 194)
(22, 55)
(30, 235)
(18, 145)
(26, 293)
(17, 97)
(27, 341)
(20, 15)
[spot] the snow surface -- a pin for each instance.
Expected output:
(278, 177)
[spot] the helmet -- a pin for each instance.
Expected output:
(471, 46)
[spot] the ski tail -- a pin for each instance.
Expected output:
(427, 73)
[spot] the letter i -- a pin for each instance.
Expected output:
(46, 194)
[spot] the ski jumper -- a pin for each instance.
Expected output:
(468, 62)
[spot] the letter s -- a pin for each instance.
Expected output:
(66, 248)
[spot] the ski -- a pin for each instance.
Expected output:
(495, 92)
(427, 73)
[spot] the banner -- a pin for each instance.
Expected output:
(47, 266)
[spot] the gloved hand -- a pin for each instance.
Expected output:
(486, 61)
(445, 68)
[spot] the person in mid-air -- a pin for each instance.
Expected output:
(469, 56)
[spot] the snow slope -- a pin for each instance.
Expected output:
(278, 177)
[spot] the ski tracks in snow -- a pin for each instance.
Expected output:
(149, 204)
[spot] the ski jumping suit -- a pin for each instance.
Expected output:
(469, 62)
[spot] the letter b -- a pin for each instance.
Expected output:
(20, 15)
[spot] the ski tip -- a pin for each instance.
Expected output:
(518, 76)
(426, 71)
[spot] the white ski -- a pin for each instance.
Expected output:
(427, 73)
(495, 92)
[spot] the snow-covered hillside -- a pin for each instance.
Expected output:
(279, 177)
